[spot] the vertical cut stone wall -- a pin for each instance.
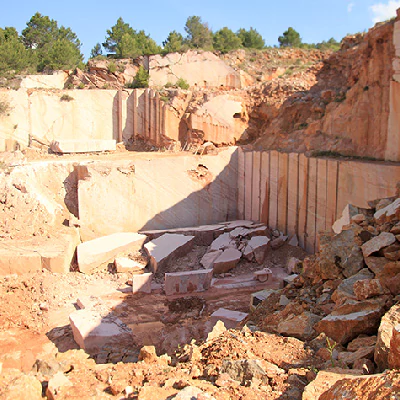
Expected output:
(304, 196)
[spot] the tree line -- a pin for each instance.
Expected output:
(44, 45)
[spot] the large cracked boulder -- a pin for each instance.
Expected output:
(340, 254)
(352, 319)
(340, 384)
(389, 321)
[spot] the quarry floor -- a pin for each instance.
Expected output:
(35, 308)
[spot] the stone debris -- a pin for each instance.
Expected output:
(389, 213)
(230, 318)
(377, 243)
(348, 213)
(187, 281)
(99, 252)
(166, 248)
(217, 330)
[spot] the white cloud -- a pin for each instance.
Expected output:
(350, 7)
(382, 12)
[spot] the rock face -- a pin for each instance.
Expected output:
(199, 69)
(97, 252)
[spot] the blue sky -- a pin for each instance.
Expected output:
(316, 20)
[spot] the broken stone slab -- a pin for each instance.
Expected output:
(389, 213)
(257, 247)
(187, 281)
(390, 277)
(231, 225)
(258, 297)
(263, 275)
(100, 251)
(238, 232)
(125, 264)
(278, 242)
(230, 318)
(222, 242)
(227, 261)
(349, 321)
(208, 259)
(345, 220)
(65, 146)
(142, 283)
(204, 234)
(93, 331)
(377, 243)
(166, 248)
(385, 333)
(345, 291)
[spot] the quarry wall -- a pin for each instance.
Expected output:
(303, 196)
(80, 114)
(157, 193)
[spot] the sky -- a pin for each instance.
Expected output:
(315, 20)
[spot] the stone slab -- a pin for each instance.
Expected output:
(188, 281)
(92, 331)
(227, 261)
(208, 259)
(55, 254)
(166, 248)
(258, 297)
(230, 318)
(98, 252)
(65, 146)
(142, 283)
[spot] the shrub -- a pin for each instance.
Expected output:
(4, 108)
(141, 79)
(181, 83)
(112, 67)
(66, 97)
